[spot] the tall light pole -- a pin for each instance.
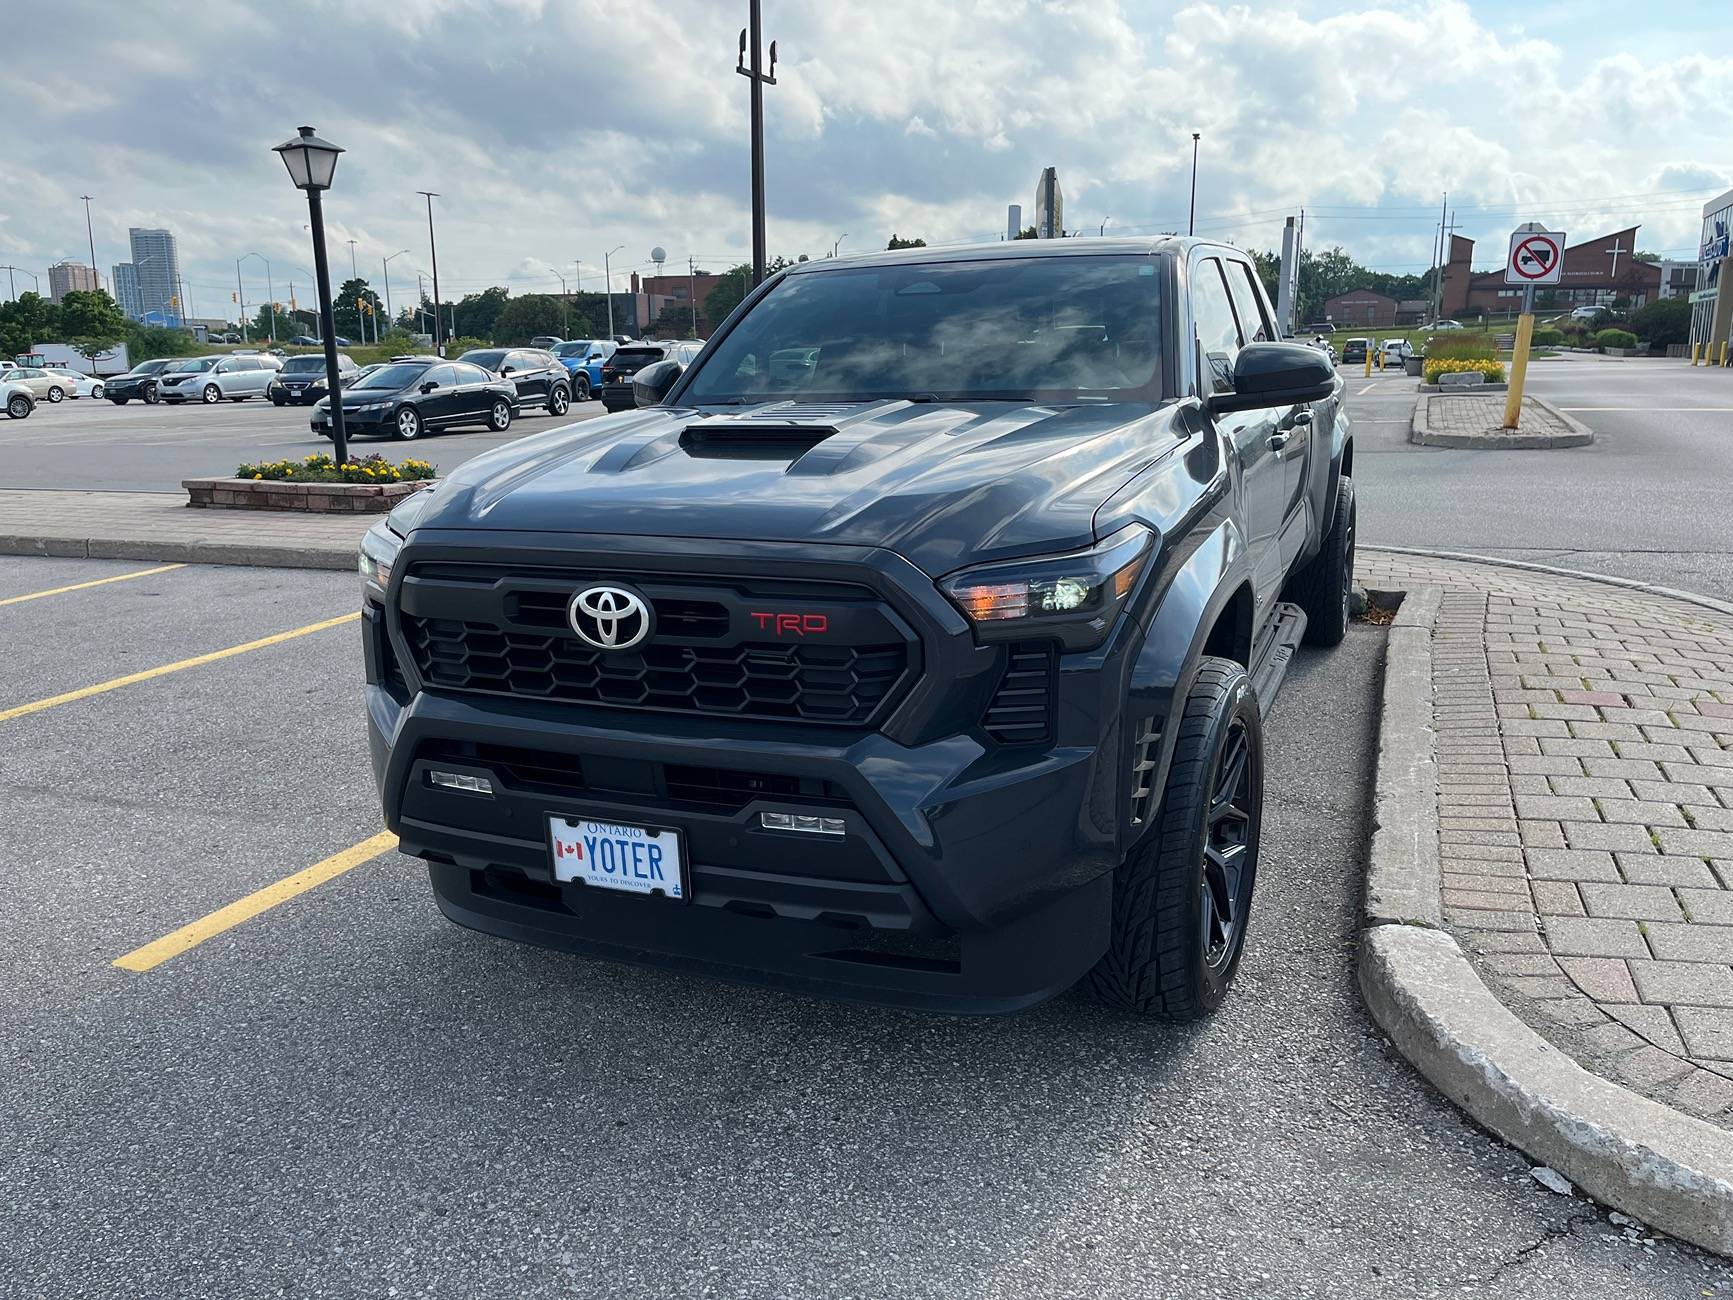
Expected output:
(385, 266)
(565, 304)
(608, 275)
(312, 163)
(270, 290)
(433, 252)
(240, 300)
(837, 247)
(754, 72)
(1191, 221)
(354, 274)
(692, 292)
(88, 234)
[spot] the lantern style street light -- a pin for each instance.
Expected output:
(312, 162)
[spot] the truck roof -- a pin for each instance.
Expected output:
(1006, 248)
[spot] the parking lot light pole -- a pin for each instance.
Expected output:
(240, 301)
(386, 267)
(608, 275)
(753, 71)
(312, 163)
(1191, 221)
(270, 290)
(433, 253)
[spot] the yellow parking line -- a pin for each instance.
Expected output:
(85, 692)
(158, 951)
(94, 582)
(1365, 390)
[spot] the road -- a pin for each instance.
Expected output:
(346, 1095)
(139, 448)
(1650, 499)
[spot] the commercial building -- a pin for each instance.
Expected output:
(126, 290)
(1678, 279)
(1361, 307)
(156, 265)
(64, 277)
(1600, 270)
(654, 294)
(1712, 310)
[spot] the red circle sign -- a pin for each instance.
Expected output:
(1545, 254)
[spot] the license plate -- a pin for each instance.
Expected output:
(611, 855)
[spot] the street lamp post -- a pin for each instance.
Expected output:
(270, 290)
(312, 163)
(433, 252)
(608, 275)
(837, 247)
(1191, 221)
(90, 235)
(754, 72)
(565, 304)
(386, 267)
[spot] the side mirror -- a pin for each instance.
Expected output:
(429, 386)
(505, 370)
(1276, 374)
(650, 386)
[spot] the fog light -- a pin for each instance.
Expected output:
(801, 822)
(460, 781)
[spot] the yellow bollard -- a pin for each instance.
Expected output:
(1518, 370)
(1368, 360)
(1723, 359)
(1696, 350)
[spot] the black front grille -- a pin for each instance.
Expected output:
(1021, 711)
(674, 616)
(809, 683)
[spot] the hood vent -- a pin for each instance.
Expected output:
(729, 440)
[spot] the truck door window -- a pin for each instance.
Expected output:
(1254, 321)
(1218, 333)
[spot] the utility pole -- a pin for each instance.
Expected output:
(95, 274)
(12, 280)
(692, 292)
(240, 300)
(1438, 262)
(608, 275)
(433, 251)
(754, 72)
(565, 304)
(386, 267)
(1191, 221)
(360, 317)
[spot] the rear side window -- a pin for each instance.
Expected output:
(637, 356)
(1218, 333)
(470, 374)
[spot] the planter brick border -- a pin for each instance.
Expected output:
(1625, 1150)
(1422, 433)
(1465, 388)
(317, 498)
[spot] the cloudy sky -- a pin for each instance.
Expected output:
(556, 130)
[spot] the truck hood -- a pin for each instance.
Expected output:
(943, 484)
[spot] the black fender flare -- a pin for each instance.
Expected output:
(1202, 586)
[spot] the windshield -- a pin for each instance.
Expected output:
(390, 378)
(195, 366)
(296, 365)
(580, 349)
(150, 367)
(486, 358)
(1055, 328)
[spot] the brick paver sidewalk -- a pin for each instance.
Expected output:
(1585, 766)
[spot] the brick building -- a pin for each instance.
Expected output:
(1361, 307)
(654, 293)
(64, 277)
(1597, 271)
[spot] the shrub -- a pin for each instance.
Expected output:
(320, 468)
(457, 347)
(1445, 347)
(1546, 337)
(1664, 321)
(1433, 367)
(1616, 338)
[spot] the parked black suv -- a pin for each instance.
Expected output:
(617, 370)
(540, 377)
(930, 670)
(303, 380)
(139, 382)
(407, 397)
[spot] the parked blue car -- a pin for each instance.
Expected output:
(583, 358)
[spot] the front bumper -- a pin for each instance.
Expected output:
(181, 392)
(972, 877)
(354, 421)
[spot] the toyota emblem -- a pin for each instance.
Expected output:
(609, 618)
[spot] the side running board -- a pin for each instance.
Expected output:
(1275, 651)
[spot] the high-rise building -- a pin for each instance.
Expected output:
(126, 290)
(156, 269)
(64, 277)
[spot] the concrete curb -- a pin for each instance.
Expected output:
(1402, 883)
(1422, 433)
(1630, 584)
(1474, 388)
(1665, 1168)
(304, 556)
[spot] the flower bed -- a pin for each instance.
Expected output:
(320, 468)
(1436, 366)
(317, 484)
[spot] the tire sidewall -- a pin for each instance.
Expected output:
(56, 394)
(1240, 704)
(494, 421)
(211, 395)
(581, 389)
(18, 406)
(151, 396)
(397, 425)
(561, 401)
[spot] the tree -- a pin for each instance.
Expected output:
(260, 326)
(478, 313)
(1646, 256)
(25, 322)
(91, 313)
(1269, 269)
(353, 300)
(731, 288)
(897, 241)
(523, 318)
(1028, 232)
(674, 321)
(146, 341)
(1664, 321)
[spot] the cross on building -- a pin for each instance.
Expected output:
(1614, 252)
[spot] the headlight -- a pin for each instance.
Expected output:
(379, 547)
(1074, 598)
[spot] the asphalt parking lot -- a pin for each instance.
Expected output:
(345, 1095)
(98, 445)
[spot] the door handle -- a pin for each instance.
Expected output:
(1300, 419)
(1279, 439)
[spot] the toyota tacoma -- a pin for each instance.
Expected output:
(910, 644)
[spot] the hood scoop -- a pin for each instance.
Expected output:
(784, 431)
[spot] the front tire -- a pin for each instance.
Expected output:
(1182, 897)
(499, 417)
(18, 406)
(406, 427)
(1323, 588)
(96, 392)
(559, 401)
(151, 396)
(212, 395)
